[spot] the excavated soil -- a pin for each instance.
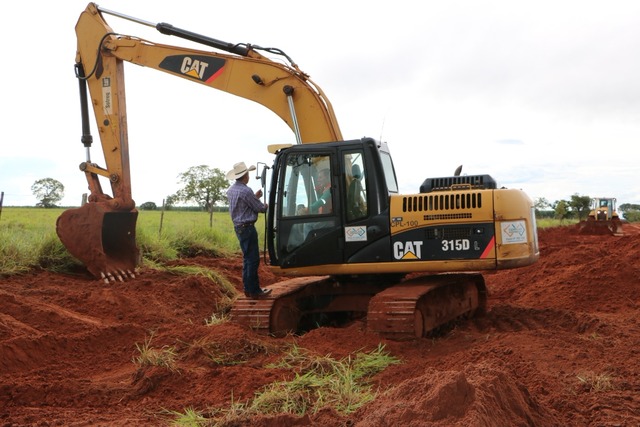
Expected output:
(559, 346)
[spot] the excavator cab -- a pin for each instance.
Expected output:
(331, 201)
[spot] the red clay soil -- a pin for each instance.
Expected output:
(559, 346)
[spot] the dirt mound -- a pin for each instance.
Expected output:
(557, 346)
(480, 395)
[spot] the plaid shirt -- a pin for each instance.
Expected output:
(243, 204)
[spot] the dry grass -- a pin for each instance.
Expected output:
(165, 356)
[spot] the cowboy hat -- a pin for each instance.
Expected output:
(238, 171)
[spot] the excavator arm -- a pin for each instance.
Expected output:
(102, 233)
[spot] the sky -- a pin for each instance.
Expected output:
(542, 95)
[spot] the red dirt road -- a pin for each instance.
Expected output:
(560, 346)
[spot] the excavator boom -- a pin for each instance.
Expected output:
(102, 232)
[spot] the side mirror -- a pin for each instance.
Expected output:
(261, 174)
(263, 177)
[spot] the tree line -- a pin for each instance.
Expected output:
(578, 207)
(202, 185)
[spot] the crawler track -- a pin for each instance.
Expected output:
(420, 306)
(276, 314)
(410, 309)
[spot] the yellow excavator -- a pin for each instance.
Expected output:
(409, 264)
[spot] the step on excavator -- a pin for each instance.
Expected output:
(603, 218)
(408, 264)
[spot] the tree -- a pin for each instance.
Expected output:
(49, 191)
(631, 211)
(629, 207)
(541, 204)
(148, 206)
(170, 201)
(542, 208)
(203, 185)
(580, 205)
(561, 209)
(632, 216)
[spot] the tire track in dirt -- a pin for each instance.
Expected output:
(511, 318)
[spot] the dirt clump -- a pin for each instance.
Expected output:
(558, 346)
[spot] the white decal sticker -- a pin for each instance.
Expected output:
(355, 234)
(106, 96)
(514, 232)
(407, 250)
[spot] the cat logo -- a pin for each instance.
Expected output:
(193, 67)
(407, 250)
(199, 67)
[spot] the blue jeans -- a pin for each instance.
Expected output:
(248, 238)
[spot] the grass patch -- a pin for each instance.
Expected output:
(53, 256)
(230, 353)
(191, 270)
(323, 381)
(595, 383)
(552, 222)
(164, 357)
(28, 236)
(318, 382)
(217, 318)
(20, 244)
(189, 418)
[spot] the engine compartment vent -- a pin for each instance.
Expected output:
(466, 182)
(443, 205)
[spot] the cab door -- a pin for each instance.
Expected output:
(305, 213)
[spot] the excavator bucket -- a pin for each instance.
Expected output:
(104, 240)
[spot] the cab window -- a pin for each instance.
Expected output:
(307, 186)
(356, 186)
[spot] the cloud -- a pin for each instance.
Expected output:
(543, 96)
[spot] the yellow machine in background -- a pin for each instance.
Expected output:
(603, 218)
(409, 263)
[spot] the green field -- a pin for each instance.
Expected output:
(28, 237)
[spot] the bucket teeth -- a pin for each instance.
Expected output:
(116, 276)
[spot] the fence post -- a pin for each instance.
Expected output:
(161, 219)
(1, 200)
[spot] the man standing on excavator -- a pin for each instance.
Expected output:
(244, 207)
